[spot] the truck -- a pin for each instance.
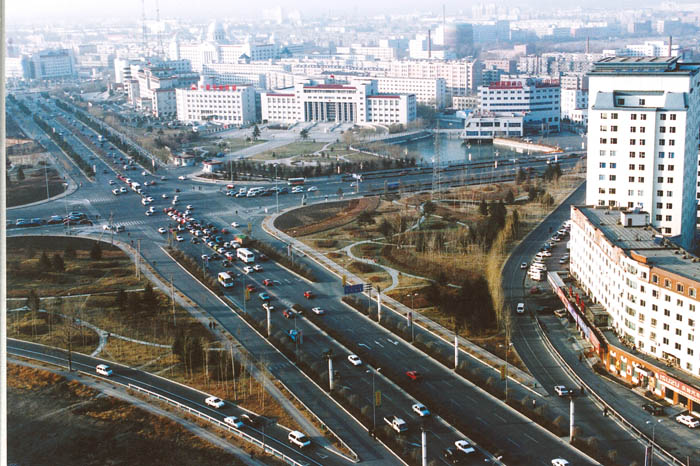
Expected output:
(396, 423)
(135, 186)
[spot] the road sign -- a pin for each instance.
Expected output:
(368, 287)
(350, 289)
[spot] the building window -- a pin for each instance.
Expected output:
(643, 116)
(654, 278)
(613, 116)
(662, 117)
(667, 327)
(679, 286)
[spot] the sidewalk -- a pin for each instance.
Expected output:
(467, 348)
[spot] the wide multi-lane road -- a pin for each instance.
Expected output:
(520, 438)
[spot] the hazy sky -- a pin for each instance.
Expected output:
(45, 11)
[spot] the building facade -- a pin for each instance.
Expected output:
(537, 99)
(223, 105)
(648, 286)
(50, 65)
(486, 126)
(356, 102)
(644, 119)
(462, 77)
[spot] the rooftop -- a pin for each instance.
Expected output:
(644, 241)
(642, 66)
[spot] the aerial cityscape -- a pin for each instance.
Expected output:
(377, 233)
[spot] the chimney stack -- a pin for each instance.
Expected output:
(430, 53)
(670, 44)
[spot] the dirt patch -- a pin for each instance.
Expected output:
(321, 217)
(63, 422)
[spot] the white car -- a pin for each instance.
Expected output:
(258, 268)
(106, 227)
(464, 446)
(149, 213)
(116, 191)
(122, 189)
(521, 308)
(233, 421)
(179, 239)
(164, 196)
(149, 199)
(181, 177)
(318, 311)
(205, 257)
(214, 402)
(420, 410)
(354, 360)
(111, 181)
(560, 462)
(189, 207)
(312, 189)
(561, 390)
(234, 224)
(162, 230)
(247, 269)
(523, 265)
(688, 420)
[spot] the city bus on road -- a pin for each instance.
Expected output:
(225, 280)
(296, 181)
(246, 255)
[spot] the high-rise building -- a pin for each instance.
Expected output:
(643, 120)
(50, 64)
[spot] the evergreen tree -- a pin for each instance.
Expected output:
(20, 174)
(44, 262)
(510, 197)
(58, 264)
(96, 251)
(483, 208)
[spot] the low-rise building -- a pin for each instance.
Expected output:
(488, 125)
(224, 105)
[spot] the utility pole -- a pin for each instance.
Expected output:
(172, 298)
(379, 304)
(571, 419)
(111, 226)
(138, 258)
(269, 323)
(424, 446)
(437, 180)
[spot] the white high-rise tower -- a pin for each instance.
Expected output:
(643, 133)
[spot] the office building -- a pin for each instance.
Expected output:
(574, 98)
(485, 126)
(462, 77)
(50, 65)
(536, 99)
(644, 119)
(223, 105)
(358, 101)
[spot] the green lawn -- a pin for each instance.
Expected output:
(289, 150)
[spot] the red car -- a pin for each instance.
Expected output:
(308, 294)
(288, 314)
(414, 375)
(267, 282)
(250, 287)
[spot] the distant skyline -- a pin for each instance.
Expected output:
(46, 11)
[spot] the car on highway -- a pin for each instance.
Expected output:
(103, 369)
(354, 360)
(560, 313)
(111, 182)
(122, 189)
(181, 177)
(249, 420)
(562, 390)
(687, 420)
(520, 308)
(420, 409)
(414, 375)
(560, 462)
(268, 307)
(308, 294)
(464, 446)
(205, 257)
(264, 296)
(149, 213)
(55, 219)
(164, 196)
(189, 207)
(214, 402)
(289, 314)
(258, 268)
(247, 269)
(233, 421)
(162, 230)
(318, 311)
(226, 264)
(312, 189)
(523, 265)
(120, 228)
(268, 282)
(653, 409)
(299, 439)
(179, 239)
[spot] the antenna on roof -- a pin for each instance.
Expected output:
(143, 25)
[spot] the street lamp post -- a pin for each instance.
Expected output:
(374, 399)
(413, 311)
(277, 193)
(653, 440)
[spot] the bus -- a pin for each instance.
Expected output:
(246, 255)
(225, 280)
(296, 181)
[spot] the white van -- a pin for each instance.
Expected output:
(246, 255)
(103, 369)
(225, 279)
(299, 439)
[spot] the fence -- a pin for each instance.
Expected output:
(242, 435)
